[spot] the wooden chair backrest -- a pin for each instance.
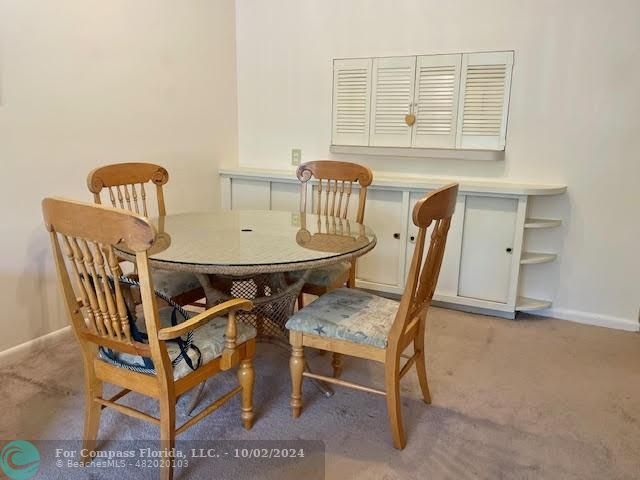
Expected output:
(125, 183)
(86, 234)
(438, 206)
(332, 234)
(335, 179)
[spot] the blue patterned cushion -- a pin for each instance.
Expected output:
(348, 314)
(209, 339)
(172, 283)
(325, 276)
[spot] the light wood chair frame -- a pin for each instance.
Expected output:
(335, 179)
(408, 327)
(125, 184)
(86, 235)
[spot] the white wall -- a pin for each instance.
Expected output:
(574, 115)
(89, 82)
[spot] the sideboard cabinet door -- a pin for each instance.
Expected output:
(487, 246)
(448, 278)
(250, 194)
(384, 214)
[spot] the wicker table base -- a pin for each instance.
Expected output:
(273, 298)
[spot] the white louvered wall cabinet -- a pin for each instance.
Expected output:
(456, 101)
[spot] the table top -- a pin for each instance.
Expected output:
(245, 242)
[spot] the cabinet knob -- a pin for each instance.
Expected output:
(509, 249)
(412, 238)
(396, 236)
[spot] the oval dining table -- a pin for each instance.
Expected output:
(263, 256)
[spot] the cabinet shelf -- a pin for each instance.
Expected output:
(529, 258)
(525, 304)
(541, 223)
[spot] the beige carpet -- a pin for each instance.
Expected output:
(533, 398)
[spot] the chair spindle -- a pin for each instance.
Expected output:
(112, 198)
(87, 297)
(143, 195)
(346, 203)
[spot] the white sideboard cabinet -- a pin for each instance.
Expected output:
(484, 253)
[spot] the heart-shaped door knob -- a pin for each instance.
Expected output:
(410, 119)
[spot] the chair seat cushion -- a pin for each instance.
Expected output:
(348, 314)
(325, 276)
(209, 339)
(173, 283)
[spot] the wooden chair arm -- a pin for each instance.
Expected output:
(230, 306)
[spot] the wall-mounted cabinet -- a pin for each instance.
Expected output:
(484, 250)
(457, 101)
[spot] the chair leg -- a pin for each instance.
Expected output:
(167, 432)
(392, 383)
(92, 411)
(300, 301)
(421, 368)
(336, 363)
(296, 365)
(246, 378)
(351, 281)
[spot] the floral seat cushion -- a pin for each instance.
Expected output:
(325, 276)
(348, 314)
(209, 339)
(172, 283)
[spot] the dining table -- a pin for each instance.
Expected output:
(264, 256)
(261, 255)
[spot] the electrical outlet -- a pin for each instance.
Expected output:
(296, 156)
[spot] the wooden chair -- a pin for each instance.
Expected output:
(357, 323)
(86, 235)
(125, 184)
(335, 185)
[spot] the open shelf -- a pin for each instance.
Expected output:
(528, 258)
(541, 222)
(525, 304)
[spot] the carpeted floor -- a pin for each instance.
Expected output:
(533, 398)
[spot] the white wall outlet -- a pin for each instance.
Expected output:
(296, 156)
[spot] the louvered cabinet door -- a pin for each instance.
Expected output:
(391, 101)
(484, 100)
(351, 101)
(436, 101)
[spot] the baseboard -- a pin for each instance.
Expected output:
(471, 309)
(588, 318)
(22, 351)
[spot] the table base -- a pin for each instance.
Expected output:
(274, 300)
(273, 297)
